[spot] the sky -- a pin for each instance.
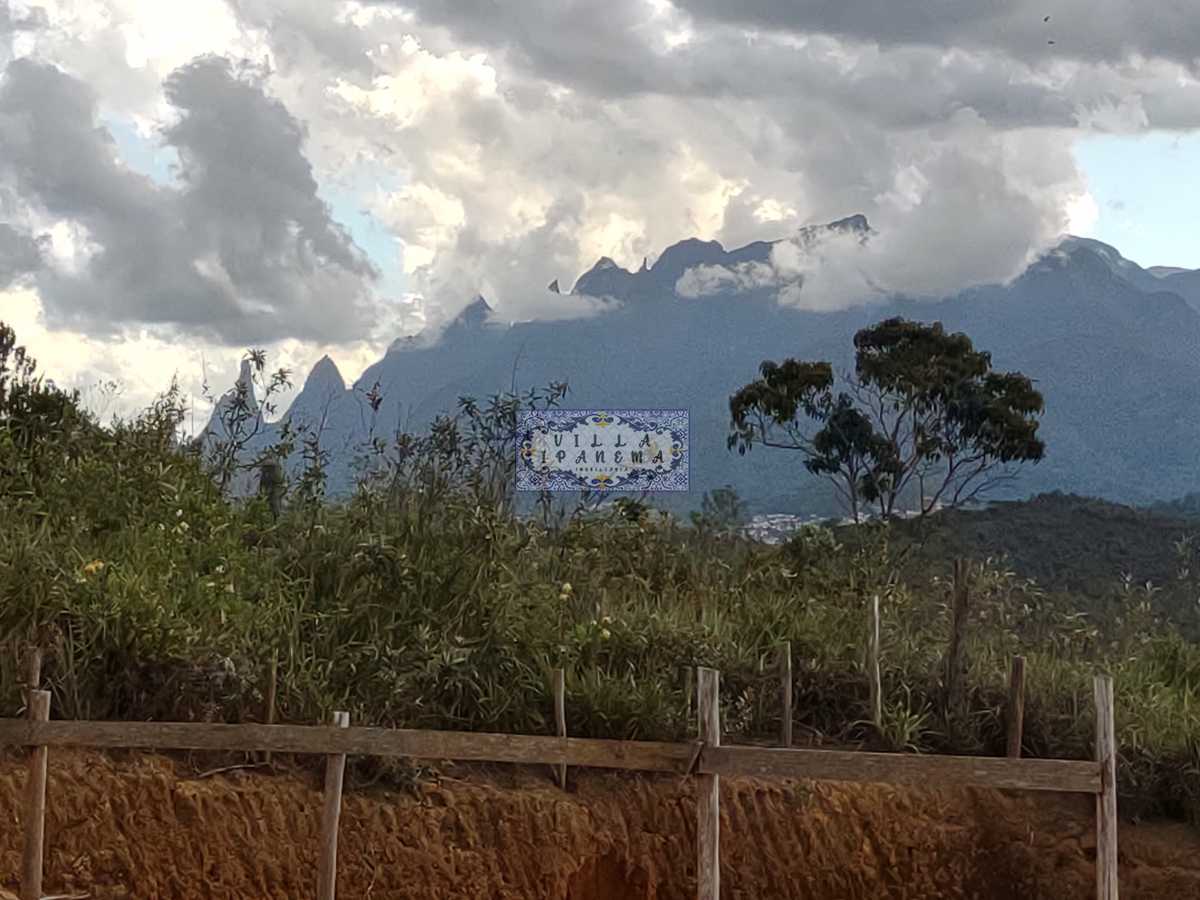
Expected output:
(1146, 190)
(182, 181)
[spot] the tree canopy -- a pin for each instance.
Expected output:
(923, 419)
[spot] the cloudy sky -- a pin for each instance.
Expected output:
(179, 181)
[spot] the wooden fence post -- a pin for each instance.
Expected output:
(785, 675)
(560, 718)
(708, 789)
(1016, 706)
(1106, 800)
(272, 695)
(33, 677)
(689, 687)
(873, 666)
(335, 771)
(35, 805)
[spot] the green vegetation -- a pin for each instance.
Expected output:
(1076, 546)
(423, 601)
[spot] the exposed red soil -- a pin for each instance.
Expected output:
(145, 826)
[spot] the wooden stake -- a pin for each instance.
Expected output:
(35, 805)
(708, 789)
(272, 694)
(873, 666)
(1106, 800)
(560, 718)
(335, 771)
(33, 677)
(1016, 706)
(785, 677)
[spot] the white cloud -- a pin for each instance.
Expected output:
(241, 246)
(955, 215)
(165, 36)
(414, 78)
(71, 245)
(771, 209)
(1082, 214)
(519, 142)
(427, 218)
(142, 362)
(705, 281)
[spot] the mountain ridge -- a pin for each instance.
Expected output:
(1100, 347)
(607, 278)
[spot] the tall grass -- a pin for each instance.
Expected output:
(425, 600)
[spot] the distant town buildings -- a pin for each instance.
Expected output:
(775, 528)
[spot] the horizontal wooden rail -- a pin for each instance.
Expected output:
(1065, 776)
(645, 756)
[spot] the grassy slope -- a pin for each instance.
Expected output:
(1067, 543)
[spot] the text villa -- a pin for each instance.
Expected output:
(603, 450)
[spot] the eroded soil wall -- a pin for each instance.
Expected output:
(145, 826)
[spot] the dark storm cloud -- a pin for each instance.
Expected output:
(605, 45)
(852, 56)
(63, 165)
(1097, 30)
(247, 180)
(20, 254)
(862, 82)
(243, 249)
(300, 31)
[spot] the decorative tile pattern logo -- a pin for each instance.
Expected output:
(603, 450)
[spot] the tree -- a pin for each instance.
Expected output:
(722, 512)
(923, 417)
(34, 413)
(16, 367)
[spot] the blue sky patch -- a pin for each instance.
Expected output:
(1148, 190)
(148, 156)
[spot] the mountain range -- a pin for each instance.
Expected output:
(1114, 349)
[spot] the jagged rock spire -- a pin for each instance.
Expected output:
(244, 386)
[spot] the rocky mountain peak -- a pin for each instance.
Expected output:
(325, 377)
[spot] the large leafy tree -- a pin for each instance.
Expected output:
(923, 419)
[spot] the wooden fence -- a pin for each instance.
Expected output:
(706, 759)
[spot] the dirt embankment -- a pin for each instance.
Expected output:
(144, 826)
